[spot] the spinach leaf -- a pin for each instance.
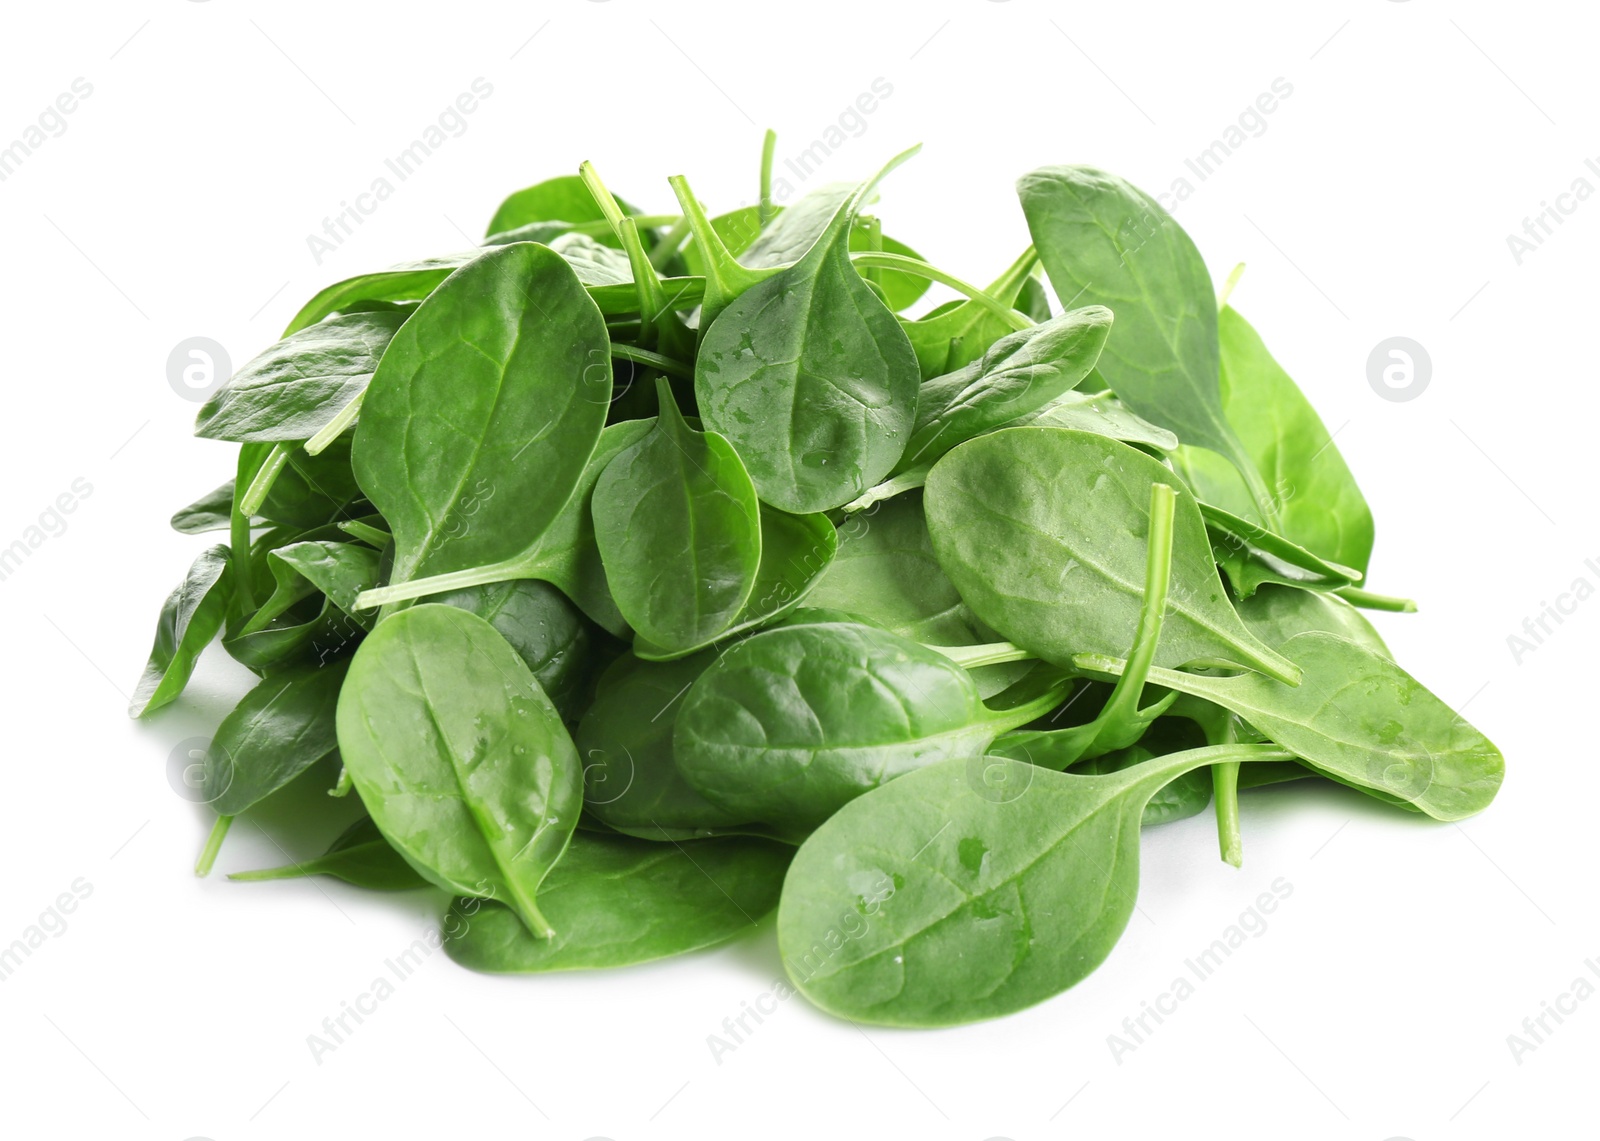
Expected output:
(810, 376)
(631, 781)
(293, 389)
(339, 570)
(457, 440)
(1277, 613)
(459, 756)
(679, 531)
(360, 856)
(408, 281)
(190, 618)
(208, 513)
(277, 731)
(796, 551)
(1021, 373)
(1317, 502)
(792, 723)
(564, 554)
(1103, 241)
(1103, 414)
(616, 901)
(548, 632)
(1042, 531)
(1359, 719)
(564, 198)
(965, 899)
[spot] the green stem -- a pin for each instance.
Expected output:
(725, 277)
(904, 264)
(988, 654)
(1227, 286)
(889, 488)
(643, 221)
(334, 428)
(366, 533)
(664, 250)
(250, 457)
(769, 145)
(654, 360)
(436, 584)
(1225, 791)
(1367, 600)
(1121, 716)
(287, 872)
(256, 494)
(208, 854)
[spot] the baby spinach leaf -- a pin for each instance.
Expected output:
(564, 198)
(408, 281)
(360, 856)
(631, 782)
(457, 444)
(293, 389)
(1358, 718)
(616, 901)
(339, 570)
(547, 631)
(679, 531)
(810, 376)
(790, 724)
(564, 554)
(959, 899)
(277, 731)
(459, 756)
(190, 618)
(1042, 530)
(1103, 241)
(1103, 414)
(208, 513)
(1318, 504)
(1019, 374)
(1277, 613)
(796, 550)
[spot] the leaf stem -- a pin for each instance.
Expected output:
(365, 533)
(1121, 716)
(655, 360)
(208, 854)
(1010, 316)
(907, 480)
(987, 654)
(334, 428)
(769, 145)
(256, 494)
(1367, 600)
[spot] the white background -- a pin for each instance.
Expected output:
(1377, 203)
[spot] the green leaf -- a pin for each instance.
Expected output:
(548, 632)
(796, 551)
(616, 901)
(1020, 374)
(1358, 718)
(631, 782)
(942, 898)
(278, 730)
(564, 198)
(208, 513)
(564, 553)
(1043, 532)
(1103, 414)
(190, 618)
(679, 531)
(454, 446)
(788, 725)
(1318, 504)
(1104, 241)
(810, 376)
(298, 385)
(459, 756)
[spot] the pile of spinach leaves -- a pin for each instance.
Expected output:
(648, 573)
